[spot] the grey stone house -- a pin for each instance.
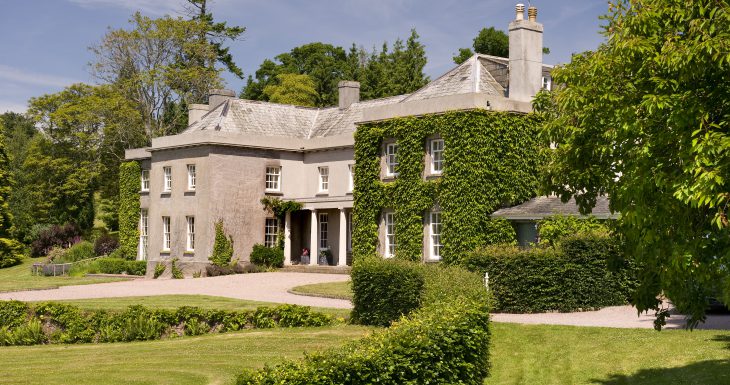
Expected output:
(234, 152)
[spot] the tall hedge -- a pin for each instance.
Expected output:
(129, 209)
(491, 159)
(584, 272)
(11, 251)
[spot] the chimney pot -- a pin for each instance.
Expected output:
(532, 13)
(349, 92)
(520, 12)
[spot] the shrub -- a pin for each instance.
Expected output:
(119, 266)
(105, 245)
(55, 236)
(13, 313)
(215, 270)
(80, 251)
(11, 252)
(573, 276)
(552, 229)
(159, 270)
(267, 256)
(222, 247)
(176, 272)
(385, 290)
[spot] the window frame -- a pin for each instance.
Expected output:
(190, 233)
(391, 159)
(390, 242)
(167, 179)
(433, 152)
(323, 224)
(324, 179)
(275, 179)
(434, 238)
(145, 181)
(270, 239)
(191, 177)
(166, 233)
(351, 177)
(144, 222)
(348, 220)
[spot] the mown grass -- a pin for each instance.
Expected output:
(175, 301)
(20, 278)
(210, 359)
(340, 290)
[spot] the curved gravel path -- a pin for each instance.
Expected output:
(266, 287)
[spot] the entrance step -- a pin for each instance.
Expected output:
(317, 269)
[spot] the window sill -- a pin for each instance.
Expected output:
(189, 253)
(432, 260)
(189, 193)
(144, 192)
(433, 176)
(273, 192)
(322, 193)
(349, 192)
(165, 251)
(166, 193)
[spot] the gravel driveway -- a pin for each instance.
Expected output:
(267, 287)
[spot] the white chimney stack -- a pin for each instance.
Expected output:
(525, 55)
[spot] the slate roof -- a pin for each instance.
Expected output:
(540, 207)
(481, 73)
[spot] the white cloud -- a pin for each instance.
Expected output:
(17, 75)
(154, 7)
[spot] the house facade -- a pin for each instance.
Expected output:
(235, 152)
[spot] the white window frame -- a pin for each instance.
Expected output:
(273, 178)
(435, 228)
(390, 245)
(145, 180)
(191, 177)
(324, 231)
(190, 238)
(391, 159)
(167, 181)
(324, 179)
(437, 147)
(351, 177)
(143, 234)
(166, 234)
(547, 83)
(349, 231)
(271, 232)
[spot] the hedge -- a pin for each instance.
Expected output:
(20, 323)
(443, 341)
(584, 272)
(130, 174)
(267, 256)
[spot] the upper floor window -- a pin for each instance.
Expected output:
(145, 180)
(273, 178)
(437, 156)
(166, 233)
(391, 159)
(324, 179)
(435, 235)
(190, 234)
(167, 171)
(351, 177)
(389, 235)
(271, 231)
(191, 177)
(546, 83)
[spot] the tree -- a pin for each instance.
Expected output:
(645, 120)
(10, 249)
(489, 41)
(292, 89)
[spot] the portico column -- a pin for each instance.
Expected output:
(287, 239)
(342, 253)
(314, 241)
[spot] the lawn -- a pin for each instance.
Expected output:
(210, 359)
(175, 301)
(341, 290)
(19, 278)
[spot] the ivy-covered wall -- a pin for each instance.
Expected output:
(491, 158)
(129, 186)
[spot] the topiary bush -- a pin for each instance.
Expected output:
(105, 244)
(222, 247)
(267, 256)
(585, 272)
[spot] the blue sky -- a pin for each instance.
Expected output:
(44, 42)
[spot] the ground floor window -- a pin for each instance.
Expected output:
(349, 231)
(323, 231)
(271, 232)
(143, 231)
(166, 233)
(389, 235)
(191, 234)
(435, 235)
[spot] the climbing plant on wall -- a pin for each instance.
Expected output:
(129, 185)
(491, 159)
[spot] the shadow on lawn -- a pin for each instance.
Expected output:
(723, 338)
(715, 372)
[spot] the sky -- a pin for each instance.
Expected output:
(44, 44)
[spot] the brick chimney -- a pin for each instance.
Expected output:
(349, 92)
(218, 97)
(525, 55)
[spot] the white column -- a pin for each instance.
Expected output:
(287, 239)
(342, 253)
(314, 240)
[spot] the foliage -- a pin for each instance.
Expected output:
(222, 247)
(16, 130)
(175, 271)
(79, 251)
(585, 272)
(292, 89)
(159, 270)
(380, 73)
(489, 41)
(384, 291)
(267, 256)
(655, 140)
(69, 324)
(278, 207)
(444, 342)
(215, 270)
(499, 231)
(105, 245)
(55, 236)
(491, 158)
(552, 229)
(11, 252)
(130, 175)
(109, 265)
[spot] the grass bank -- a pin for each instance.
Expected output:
(20, 278)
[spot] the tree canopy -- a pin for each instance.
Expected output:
(292, 89)
(645, 119)
(489, 41)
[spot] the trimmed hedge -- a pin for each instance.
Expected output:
(584, 272)
(267, 256)
(444, 341)
(121, 266)
(64, 323)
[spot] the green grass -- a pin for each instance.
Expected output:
(210, 359)
(540, 354)
(341, 290)
(19, 278)
(175, 301)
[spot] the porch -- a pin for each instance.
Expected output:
(320, 234)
